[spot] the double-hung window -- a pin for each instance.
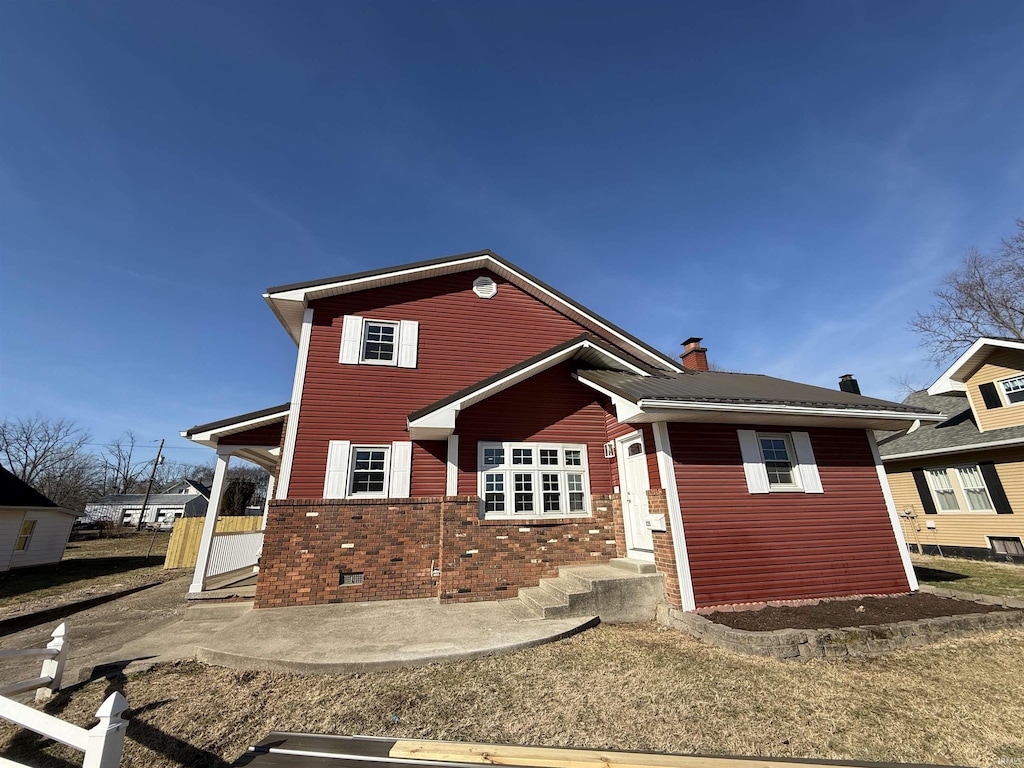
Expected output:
(779, 462)
(959, 489)
(369, 471)
(533, 480)
(28, 527)
(1013, 389)
(778, 456)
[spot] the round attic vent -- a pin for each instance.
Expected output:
(484, 287)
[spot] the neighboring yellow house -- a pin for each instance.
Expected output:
(959, 484)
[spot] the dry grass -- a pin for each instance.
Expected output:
(970, 575)
(88, 568)
(629, 687)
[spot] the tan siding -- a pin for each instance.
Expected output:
(183, 548)
(962, 529)
(1001, 364)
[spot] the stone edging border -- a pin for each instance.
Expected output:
(805, 644)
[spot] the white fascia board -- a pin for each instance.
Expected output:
(444, 417)
(786, 410)
(210, 437)
(624, 409)
(969, 447)
(952, 378)
(312, 293)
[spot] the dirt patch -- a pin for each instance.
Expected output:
(829, 614)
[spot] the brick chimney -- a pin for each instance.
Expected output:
(694, 357)
(849, 384)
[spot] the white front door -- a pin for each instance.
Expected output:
(635, 484)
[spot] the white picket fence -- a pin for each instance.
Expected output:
(102, 744)
(231, 551)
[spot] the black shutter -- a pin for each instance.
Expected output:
(924, 492)
(990, 396)
(995, 488)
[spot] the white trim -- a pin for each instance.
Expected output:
(439, 423)
(451, 478)
(624, 409)
(796, 410)
(956, 449)
(666, 469)
(292, 429)
(948, 381)
(753, 462)
(806, 464)
(210, 523)
(1007, 403)
(894, 520)
(620, 460)
(211, 436)
(384, 494)
(339, 452)
(393, 360)
(351, 340)
(484, 260)
(407, 343)
(401, 470)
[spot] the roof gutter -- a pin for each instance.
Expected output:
(955, 449)
(785, 410)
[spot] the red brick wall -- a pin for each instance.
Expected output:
(664, 551)
(747, 547)
(393, 543)
(489, 559)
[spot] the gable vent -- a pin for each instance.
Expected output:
(485, 287)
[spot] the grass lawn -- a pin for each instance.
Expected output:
(93, 564)
(970, 575)
(630, 687)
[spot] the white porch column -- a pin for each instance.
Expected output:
(206, 542)
(266, 505)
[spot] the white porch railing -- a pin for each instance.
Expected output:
(231, 551)
(102, 744)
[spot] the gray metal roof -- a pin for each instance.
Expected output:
(739, 388)
(959, 430)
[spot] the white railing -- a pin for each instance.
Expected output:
(231, 551)
(102, 744)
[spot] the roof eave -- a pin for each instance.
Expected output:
(952, 379)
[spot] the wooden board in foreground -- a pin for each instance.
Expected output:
(557, 757)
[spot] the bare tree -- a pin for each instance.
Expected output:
(985, 297)
(50, 455)
(124, 471)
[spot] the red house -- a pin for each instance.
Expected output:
(458, 430)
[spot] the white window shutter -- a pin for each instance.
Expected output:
(809, 477)
(401, 470)
(753, 464)
(408, 341)
(351, 339)
(336, 478)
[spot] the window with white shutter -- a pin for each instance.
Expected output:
(778, 462)
(366, 341)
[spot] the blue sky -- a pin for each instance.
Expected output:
(788, 180)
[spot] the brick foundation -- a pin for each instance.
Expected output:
(310, 544)
(664, 551)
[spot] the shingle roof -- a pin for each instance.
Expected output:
(739, 388)
(15, 492)
(959, 430)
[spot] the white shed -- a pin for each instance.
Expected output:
(33, 530)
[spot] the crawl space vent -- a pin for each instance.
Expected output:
(485, 287)
(348, 579)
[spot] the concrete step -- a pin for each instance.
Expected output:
(544, 603)
(520, 610)
(633, 566)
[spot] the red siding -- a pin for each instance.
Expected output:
(266, 435)
(550, 406)
(429, 468)
(781, 546)
(462, 339)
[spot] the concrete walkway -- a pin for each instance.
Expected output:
(159, 625)
(359, 637)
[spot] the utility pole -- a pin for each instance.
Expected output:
(149, 488)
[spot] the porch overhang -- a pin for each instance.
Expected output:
(437, 421)
(228, 436)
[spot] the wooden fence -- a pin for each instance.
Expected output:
(183, 549)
